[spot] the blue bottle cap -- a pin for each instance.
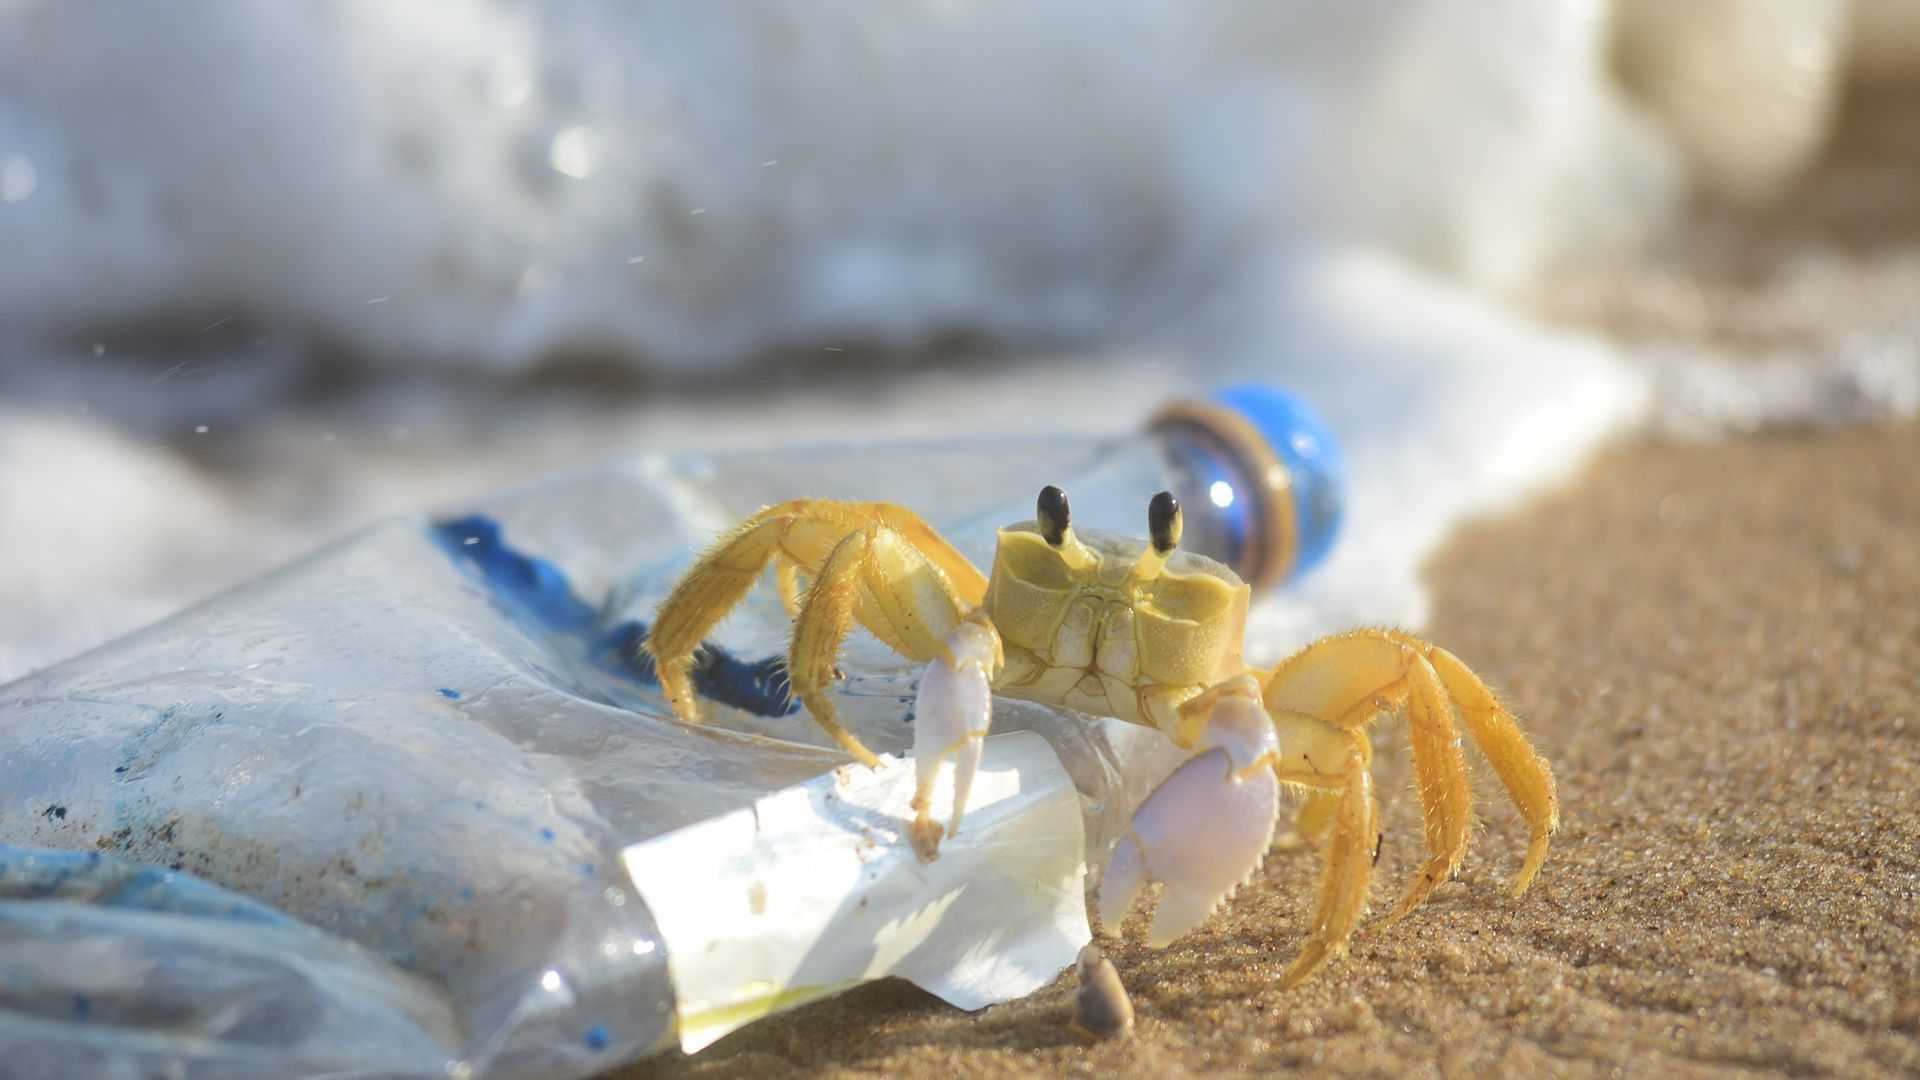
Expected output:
(1268, 472)
(1316, 479)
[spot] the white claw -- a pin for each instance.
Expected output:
(1204, 830)
(951, 717)
(966, 762)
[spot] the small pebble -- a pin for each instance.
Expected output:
(1101, 1008)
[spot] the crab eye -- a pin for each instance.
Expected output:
(1052, 515)
(1163, 522)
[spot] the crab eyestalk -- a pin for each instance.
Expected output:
(1055, 520)
(1163, 522)
(1053, 515)
(1164, 527)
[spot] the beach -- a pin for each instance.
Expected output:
(1717, 645)
(1612, 311)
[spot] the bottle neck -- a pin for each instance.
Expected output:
(1235, 493)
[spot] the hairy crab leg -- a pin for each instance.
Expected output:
(1525, 774)
(1312, 823)
(1331, 765)
(786, 578)
(950, 721)
(878, 578)
(906, 584)
(1315, 763)
(967, 582)
(1343, 886)
(826, 615)
(1350, 680)
(1207, 827)
(796, 533)
(1440, 771)
(716, 584)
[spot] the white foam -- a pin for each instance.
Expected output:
(1448, 407)
(679, 186)
(210, 203)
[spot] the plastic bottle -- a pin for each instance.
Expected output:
(1257, 473)
(426, 765)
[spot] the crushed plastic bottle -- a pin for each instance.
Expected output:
(421, 785)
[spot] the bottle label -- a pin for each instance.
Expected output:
(815, 888)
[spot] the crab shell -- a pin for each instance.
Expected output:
(1105, 624)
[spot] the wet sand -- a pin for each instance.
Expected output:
(1718, 647)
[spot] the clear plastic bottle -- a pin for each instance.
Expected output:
(428, 761)
(1256, 471)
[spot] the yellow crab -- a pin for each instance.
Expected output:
(1113, 626)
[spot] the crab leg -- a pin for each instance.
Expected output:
(950, 721)
(1440, 770)
(1206, 828)
(1312, 823)
(701, 599)
(1525, 774)
(911, 564)
(798, 533)
(1343, 887)
(1350, 680)
(879, 579)
(786, 577)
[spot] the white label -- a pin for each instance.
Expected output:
(815, 888)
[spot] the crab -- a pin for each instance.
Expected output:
(1142, 631)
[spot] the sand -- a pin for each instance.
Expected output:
(1718, 647)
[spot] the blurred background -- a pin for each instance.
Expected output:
(270, 272)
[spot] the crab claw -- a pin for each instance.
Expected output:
(1205, 829)
(951, 717)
